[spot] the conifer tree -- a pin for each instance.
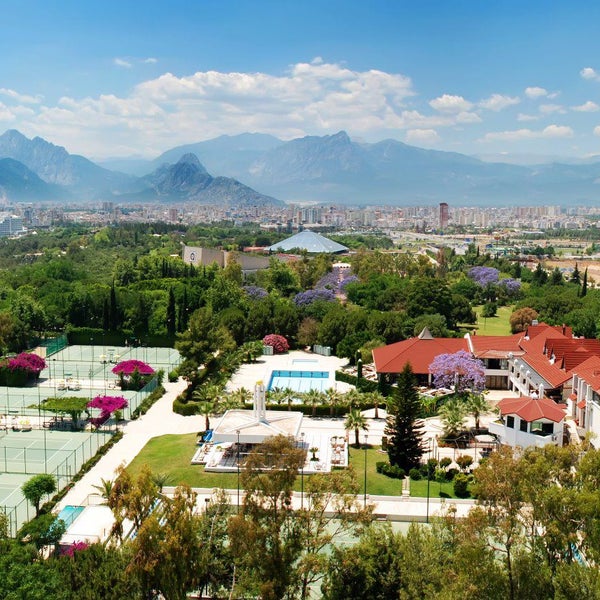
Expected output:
(403, 426)
(584, 284)
(576, 276)
(171, 316)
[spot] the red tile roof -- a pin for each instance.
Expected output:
(552, 374)
(416, 351)
(532, 409)
(494, 346)
(589, 371)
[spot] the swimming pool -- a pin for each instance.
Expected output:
(69, 513)
(300, 381)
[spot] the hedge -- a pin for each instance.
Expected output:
(84, 335)
(364, 385)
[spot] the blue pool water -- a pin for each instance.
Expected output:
(69, 513)
(299, 381)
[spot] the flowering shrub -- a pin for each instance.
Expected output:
(459, 371)
(128, 367)
(20, 370)
(254, 292)
(347, 281)
(106, 405)
(28, 362)
(310, 296)
(484, 276)
(278, 343)
(75, 547)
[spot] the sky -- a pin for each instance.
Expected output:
(113, 79)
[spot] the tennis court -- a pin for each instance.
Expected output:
(31, 441)
(60, 453)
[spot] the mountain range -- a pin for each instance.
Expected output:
(326, 169)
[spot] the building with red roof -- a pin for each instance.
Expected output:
(529, 421)
(584, 402)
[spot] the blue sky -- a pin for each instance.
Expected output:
(136, 78)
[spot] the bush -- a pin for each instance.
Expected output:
(277, 342)
(388, 470)
(173, 376)
(451, 474)
(187, 409)
(414, 474)
(461, 485)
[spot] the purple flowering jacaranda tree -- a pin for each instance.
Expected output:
(484, 276)
(458, 371)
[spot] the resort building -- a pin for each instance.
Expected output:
(529, 421)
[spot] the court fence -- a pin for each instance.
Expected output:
(32, 461)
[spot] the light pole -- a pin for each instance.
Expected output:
(365, 494)
(428, 481)
(238, 470)
(302, 472)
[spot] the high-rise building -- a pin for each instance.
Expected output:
(443, 215)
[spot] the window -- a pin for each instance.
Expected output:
(541, 428)
(523, 425)
(510, 421)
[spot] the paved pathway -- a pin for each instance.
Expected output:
(159, 420)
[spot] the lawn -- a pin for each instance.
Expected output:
(381, 485)
(498, 325)
(171, 455)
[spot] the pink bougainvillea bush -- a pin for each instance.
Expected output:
(277, 342)
(106, 405)
(75, 547)
(21, 369)
(133, 374)
(128, 367)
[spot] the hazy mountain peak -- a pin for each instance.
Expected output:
(191, 159)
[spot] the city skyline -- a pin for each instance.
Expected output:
(491, 80)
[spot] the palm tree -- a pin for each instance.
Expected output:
(453, 414)
(313, 397)
(240, 396)
(376, 398)
(355, 398)
(477, 405)
(357, 421)
(208, 408)
(105, 489)
(334, 399)
(160, 479)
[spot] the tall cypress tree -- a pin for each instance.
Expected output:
(171, 324)
(403, 426)
(584, 284)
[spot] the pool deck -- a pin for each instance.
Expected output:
(249, 374)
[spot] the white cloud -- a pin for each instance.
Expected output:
(310, 98)
(588, 106)
(422, 136)
(524, 117)
(552, 131)
(497, 102)
(150, 60)
(450, 104)
(535, 92)
(24, 98)
(589, 73)
(548, 109)
(119, 62)
(597, 130)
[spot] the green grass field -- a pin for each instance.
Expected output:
(171, 455)
(498, 325)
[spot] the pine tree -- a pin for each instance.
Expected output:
(403, 426)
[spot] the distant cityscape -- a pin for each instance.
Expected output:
(18, 219)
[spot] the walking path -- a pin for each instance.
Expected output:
(159, 420)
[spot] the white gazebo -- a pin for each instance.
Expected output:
(254, 426)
